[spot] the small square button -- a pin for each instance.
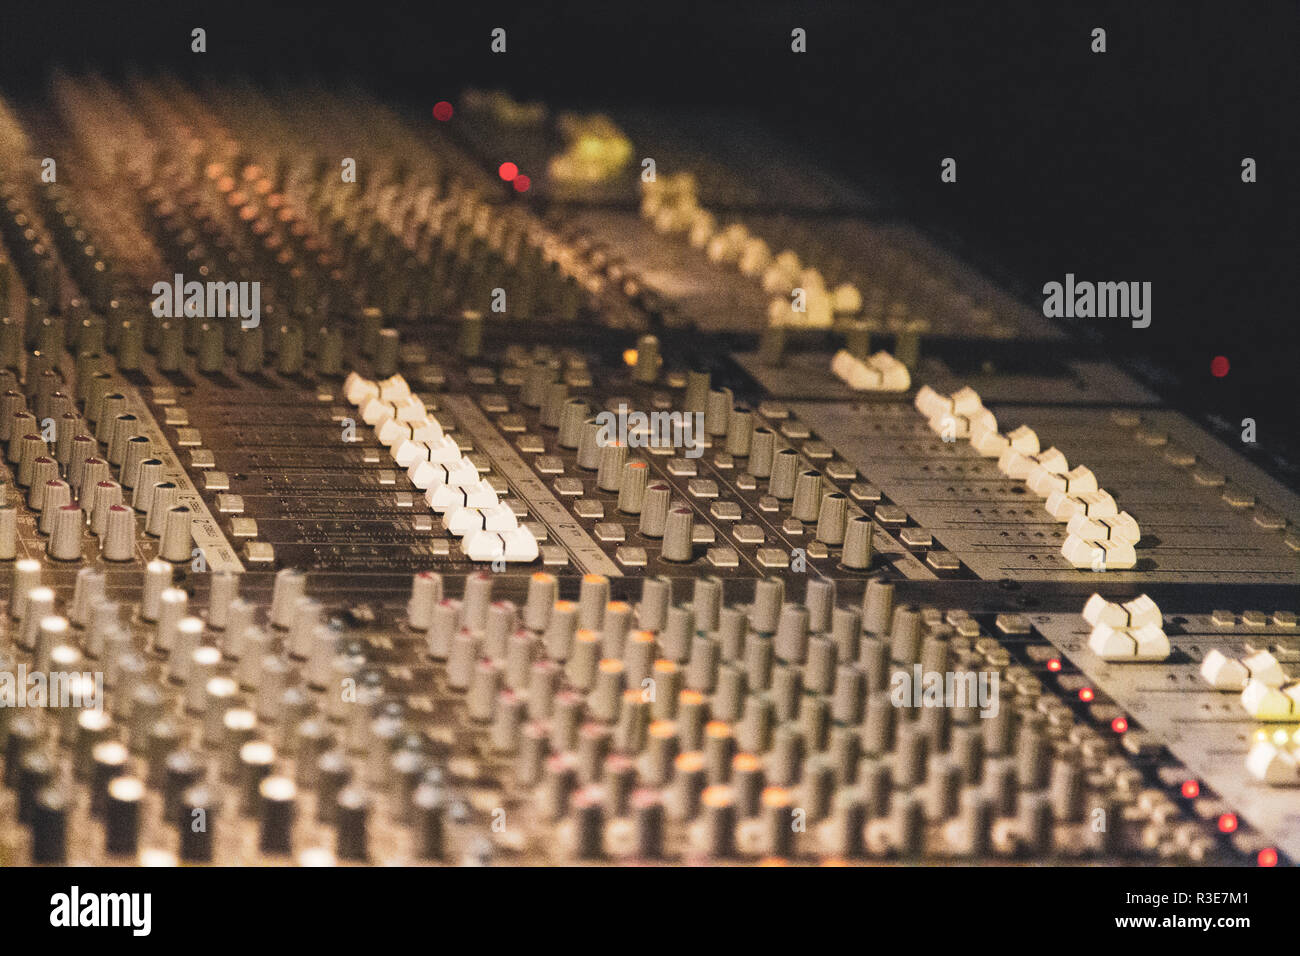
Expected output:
(609, 532)
(588, 508)
(512, 423)
(531, 444)
(773, 558)
(792, 526)
(723, 558)
(839, 470)
(549, 465)
(702, 488)
(890, 514)
(630, 557)
(749, 534)
(230, 504)
(795, 430)
(944, 561)
(746, 482)
(682, 467)
(915, 537)
(175, 415)
(768, 503)
(861, 491)
(259, 552)
(568, 487)
(188, 438)
(554, 557)
(216, 481)
(243, 527)
(725, 510)
(724, 462)
(703, 534)
(817, 450)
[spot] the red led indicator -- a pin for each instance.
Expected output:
(1267, 857)
(1119, 725)
(508, 171)
(522, 183)
(1228, 823)
(442, 111)
(1191, 789)
(1219, 366)
(1086, 694)
(1054, 664)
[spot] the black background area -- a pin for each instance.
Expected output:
(1120, 166)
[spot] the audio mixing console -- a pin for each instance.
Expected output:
(379, 506)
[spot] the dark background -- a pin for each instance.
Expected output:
(1122, 166)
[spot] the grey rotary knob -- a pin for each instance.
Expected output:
(654, 511)
(177, 536)
(329, 352)
(697, 392)
(150, 473)
(593, 596)
(857, 543)
(137, 450)
(93, 471)
(387, 345)
(117, 543)
(609, 475)
(762, 448)
(878, 607)
(124, 428)
(290, 585)
(718, 413)
(905, 638)
(785, 469)
(769, 595)
(47, 498)
(648, 360)
(557, 393)
(679, 529)
(807, 495)
(65, 534)
(8, 532)
(288, 360)
(212, 347)
(543, 590)
(162, 501)
(114, 404)
(740, 429)
(105, 495)
(426, 592)
(631, 489)
(537, 380)
(831, 517)
(589, 444)
(250, 353)
(171, 350)
(572, 415)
